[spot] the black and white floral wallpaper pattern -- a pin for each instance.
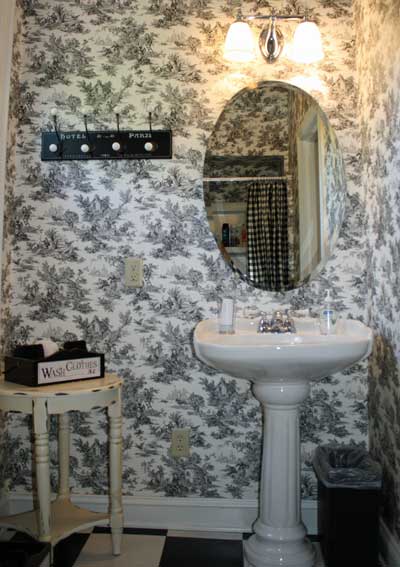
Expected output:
(10, 222)
(254, 123)
(70, 226)
(378, 66)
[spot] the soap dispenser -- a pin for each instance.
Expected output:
(327, 317)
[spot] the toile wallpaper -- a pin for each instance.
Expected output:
(254, 127)
(70, 226)
(5, 446)
(334, 179)
(254, 123)
(379, 103)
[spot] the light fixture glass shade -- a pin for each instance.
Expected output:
(239, 43)
(307, 45)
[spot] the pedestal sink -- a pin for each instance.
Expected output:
(281, 368)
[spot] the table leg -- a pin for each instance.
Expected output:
(115, 441)
(41, 438)
(63, 455)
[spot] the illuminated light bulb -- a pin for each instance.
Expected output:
(54, 111)
(239, 43)
(307, 45)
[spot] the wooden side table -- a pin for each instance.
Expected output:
(53, 521)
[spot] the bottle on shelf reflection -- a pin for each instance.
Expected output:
(225, 234)
(243, 235)
(235, 236)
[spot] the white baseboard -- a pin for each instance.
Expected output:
(390, 546)
(194, 514)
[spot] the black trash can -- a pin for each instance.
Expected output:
(349, 491)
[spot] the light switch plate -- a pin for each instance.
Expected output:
(133, 272)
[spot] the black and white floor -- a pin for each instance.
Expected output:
(146, 548)
(140, 548)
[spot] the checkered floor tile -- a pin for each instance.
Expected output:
(145, 548)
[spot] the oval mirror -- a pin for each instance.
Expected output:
(274, 186)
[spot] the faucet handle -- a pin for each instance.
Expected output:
(277, 316)
(289, 322)
(263, 324)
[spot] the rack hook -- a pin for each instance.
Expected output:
(116, 146)
(85, 112)
(86, 148)
(117, 112)
(54, 147)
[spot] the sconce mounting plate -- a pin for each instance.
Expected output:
(106, 144)
(271, 42)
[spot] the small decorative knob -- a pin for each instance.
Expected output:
(85, 148)
(149, 147)
(53, 148)
(116, 146)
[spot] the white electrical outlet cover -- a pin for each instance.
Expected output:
(134, 272)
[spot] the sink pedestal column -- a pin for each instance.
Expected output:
(280, 536)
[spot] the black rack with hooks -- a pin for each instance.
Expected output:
(105, 144)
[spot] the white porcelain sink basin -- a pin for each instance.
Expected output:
(305, 355)
(281, 368)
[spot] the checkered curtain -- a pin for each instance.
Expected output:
(267, 234)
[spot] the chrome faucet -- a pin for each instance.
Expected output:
(264, 324)
(279, 323)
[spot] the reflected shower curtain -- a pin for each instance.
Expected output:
(267, 234)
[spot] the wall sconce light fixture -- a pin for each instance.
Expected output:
(240, 45)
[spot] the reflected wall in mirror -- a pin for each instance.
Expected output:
(274, 186)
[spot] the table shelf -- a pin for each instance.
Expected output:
(66, 518)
